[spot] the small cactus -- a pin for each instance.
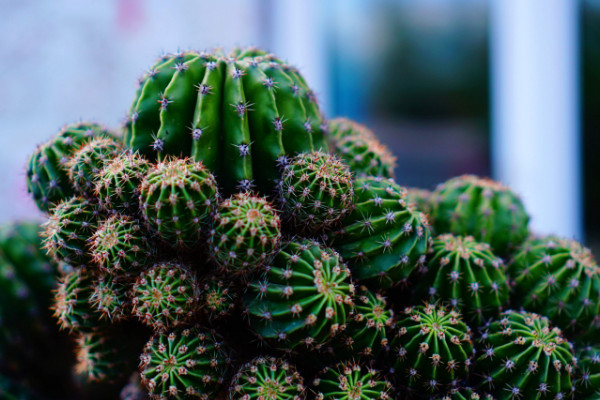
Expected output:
(351, 381)
(72, 305)
(218, 298)
(85, 164)
(588, 382)
(109, 299)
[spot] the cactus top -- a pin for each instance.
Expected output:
(241, 114)
(351, 381)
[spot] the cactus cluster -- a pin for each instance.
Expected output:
(219, 250)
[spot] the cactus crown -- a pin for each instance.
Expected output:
(85, 164)
(351, 381)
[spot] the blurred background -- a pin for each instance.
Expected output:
(509, 89)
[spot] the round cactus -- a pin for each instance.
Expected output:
(522, 356)
(184, 363)
(119, 245)
(482, 208)
(383, 239)
(218, 298)
(560, 279)
(588, 383)
(47, 176)
(317, 191)
(246, 233)
(109, 299)
(117, 184)
(85, 164)
(67, 230)
(351, 381)
(423, 199)
(72, 305)
(360, 149)
(267, 378)
(303, 300)
(240, 114)
(466, 274)
(177, 198)
(165, 296)
(432, 349)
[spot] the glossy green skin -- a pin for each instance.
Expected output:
(194, 360)
(432, 349)
(383, 239)
(117, 184)
(267, 377)
(588, 382)
(560, 279)
(72, 307)
(304, 298)
(466, 274)
(177, 197)
(522, 357)
(349, 381)
(47, 177)
(240, 114)
(479, 207)
(85, 164)
(246, 233)
(67, 230)
(317, 191)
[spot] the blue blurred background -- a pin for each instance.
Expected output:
(506, 88)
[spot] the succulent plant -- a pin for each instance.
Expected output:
(218, 298)
(85, 164)
(588, 382)
(465, 393)
(466, 274)
(109, 298)
(521, 356)
(165, 296)
(246, 233)
(177, 198)
(267, 378)
(72, 305)
(184, 363)
(560, 279)
(303, 300)
(432, 349)
(47, 176)
(351, 381)
(383, 239)
(423, 199)
(482, 208)
(359, 148)
(240, 114)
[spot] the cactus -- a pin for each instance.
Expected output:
(117, 184)
(109, 299)
(383, 239)
(67, 230)
(177, 198)
(351, 381)
(239, 114)
(246, 233)
(588, 383)
(85, 164)
(72, 305)
(432, 349)
(47, 176)
(522, 356)
(184, 363)
(465, 393)
(466, 274)
(267, 378)
(219, 298)
(560, 279)
(482, 208)
(423, 199)
(165, 296)
(360, 149)
(119, 245)
(303, 300)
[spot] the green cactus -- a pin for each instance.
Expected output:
(119, 245)
(239, 114)
(177, 198)
(465, 393)
(317, 191)
(359, 148)
(85, 164)
(219, 298)
(246, 233)
(351, 381)
(384, 240)
(432, 349)
(522, 357)
(47, 172)
(117, 184)
(588, 382)
(109, 298)
(67, 230)
(466, 274)
(303, 300)
(267, 378)
(184, 363)
(560, 279)
(482, 208)
(423, 199)
(165, 296)
(72, 305)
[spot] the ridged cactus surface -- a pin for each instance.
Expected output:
(72, 306)
(267, 378)
(351, 381)
(85, 163)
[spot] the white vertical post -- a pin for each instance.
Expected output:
(535, 109)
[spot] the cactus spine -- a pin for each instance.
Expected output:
(267, 378)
